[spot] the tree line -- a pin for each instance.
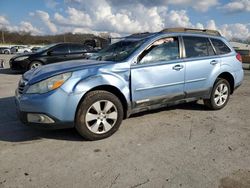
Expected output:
(23, 38)
(8, 37)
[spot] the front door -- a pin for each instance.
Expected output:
(58, 54)
(158, 75)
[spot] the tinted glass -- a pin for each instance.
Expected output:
(197, 47)
(118, 51)
(220, 47)
(62, 49)
(162, 50)
(243, 52)
(78, 48)
(46, 47)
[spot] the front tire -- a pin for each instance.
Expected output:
(219, 96)
(35, 64)
(99, 115)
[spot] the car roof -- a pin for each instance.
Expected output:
(175, 31)
(191, 30)
(60, 43)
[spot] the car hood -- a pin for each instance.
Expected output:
(22, 55)
(47, 71)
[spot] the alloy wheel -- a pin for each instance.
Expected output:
(35, 65)
(221, 94)
(101, 116)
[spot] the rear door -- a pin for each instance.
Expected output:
(77, 51)
(201, 62)
(158, 76)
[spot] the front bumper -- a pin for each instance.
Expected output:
(18, 65)
(57, 105)
(56, 125)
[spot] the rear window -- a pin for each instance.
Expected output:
(220, 47)
(198, 47)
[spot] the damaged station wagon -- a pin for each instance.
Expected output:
(140, 72)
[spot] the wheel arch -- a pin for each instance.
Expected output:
(112, 89)
(229, 77)
(28, 66)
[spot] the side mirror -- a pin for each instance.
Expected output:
(49, 53)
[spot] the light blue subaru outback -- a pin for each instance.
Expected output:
(141, 72)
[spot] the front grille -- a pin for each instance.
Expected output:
(21, 86)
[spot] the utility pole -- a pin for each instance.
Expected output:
(3, 36)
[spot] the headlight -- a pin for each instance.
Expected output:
(49, 84)
(21, 58)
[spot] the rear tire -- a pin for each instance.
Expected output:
(99, 115)
(219, 96)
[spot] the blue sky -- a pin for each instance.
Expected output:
(232, 18)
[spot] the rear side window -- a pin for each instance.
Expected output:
(220, 47)
(198, 47)
(78, 48)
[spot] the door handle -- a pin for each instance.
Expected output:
(214, 62)
(178, 67)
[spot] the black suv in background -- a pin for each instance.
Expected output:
(50, 54)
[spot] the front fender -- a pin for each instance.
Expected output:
(91, 82)
(82, 81)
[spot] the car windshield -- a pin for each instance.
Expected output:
(45, 48)
(118, 51)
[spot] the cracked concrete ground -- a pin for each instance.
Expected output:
(182, 146)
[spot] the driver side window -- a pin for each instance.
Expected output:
(165, 49)
(61, 49)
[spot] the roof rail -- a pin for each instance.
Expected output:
(191, 30)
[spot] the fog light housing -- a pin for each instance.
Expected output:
(39, 118)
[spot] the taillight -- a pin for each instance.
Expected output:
(238, 56)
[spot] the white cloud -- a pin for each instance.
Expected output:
(177, 19)
(75, 18)
(3, 21)
(204, 5)
(201, 5)
(129, 21)
(22, 27)
(237, 6)
(44, 16)
(211, 25)
(230, 31)
(199, 26)
(29, 28)
(237, 30)
(130, 16)
(125, 17)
